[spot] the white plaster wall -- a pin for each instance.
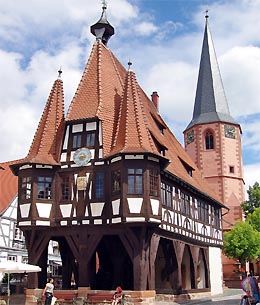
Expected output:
(215, 267)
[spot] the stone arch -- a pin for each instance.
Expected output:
(166, 267)
(187, 269)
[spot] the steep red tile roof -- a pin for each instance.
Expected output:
(8, 186)
(45, 148)
(132, 132)
(99, 91)
(129, 118)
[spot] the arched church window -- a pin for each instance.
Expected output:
(209, 140)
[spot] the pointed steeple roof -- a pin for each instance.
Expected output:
(99, 91)
(132, 131)
(130, 121)
(210, 101)
(45, 148)
(103, 30)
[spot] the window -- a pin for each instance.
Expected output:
(116, 184)
(12, 258)
(18, 234)
(99, 185)
(231, 169)
(26, 188)
(166, 194)
(154, 182)
(135, 181)
(44, 187)
(216, 217)
(65, 187)
(185, 204)
(90, 139)
(203, 212)
(209, 140)
(76, 141)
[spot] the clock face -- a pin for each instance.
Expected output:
(190, 136)
(82, 156)
(230, 131)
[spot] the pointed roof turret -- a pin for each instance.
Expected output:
(132, 131)
(210, 102)
(103, 30)
(45, 148)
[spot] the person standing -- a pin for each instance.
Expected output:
(252, 290)
(48, 292)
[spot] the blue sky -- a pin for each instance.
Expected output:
(162, 38)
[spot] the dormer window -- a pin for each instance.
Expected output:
(90, 140)
(76, 141)
(209, 140)
(187, 167)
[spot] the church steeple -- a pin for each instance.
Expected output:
(210, 102)
(103, 30)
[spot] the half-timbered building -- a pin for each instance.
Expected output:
(112, 185)
(12, 244)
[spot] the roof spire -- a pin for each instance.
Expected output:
(59, 75)
(129, 64)
(103, 30)
(210, 101)
(206, 14)
(104, 3)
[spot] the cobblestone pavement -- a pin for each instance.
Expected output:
(229, 297)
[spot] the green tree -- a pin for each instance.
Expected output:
(253, 201)
(242, 242)
(254, 219)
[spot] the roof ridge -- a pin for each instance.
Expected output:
(137, 94)
(45, 137)
(99, 77)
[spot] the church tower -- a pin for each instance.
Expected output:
(213, 137)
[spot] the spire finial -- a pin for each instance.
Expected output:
(104, 4)
(206, 14)
(103, 30)
(60, 71)
(129, 64)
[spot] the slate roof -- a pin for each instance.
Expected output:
(45, 148)
(210, 101)
(8, 186)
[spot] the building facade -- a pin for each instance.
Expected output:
(113, 187)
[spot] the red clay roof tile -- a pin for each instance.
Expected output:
(8, 186)
(46, 145)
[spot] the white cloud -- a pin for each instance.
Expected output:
(39, 36)
(251, 174)
(145, 28)
(241, 69)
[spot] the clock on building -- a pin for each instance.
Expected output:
(190, 136)
(230, 131)
(82, 156)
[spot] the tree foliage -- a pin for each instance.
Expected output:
(242, 242)
(254, 219)
(253, 201)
